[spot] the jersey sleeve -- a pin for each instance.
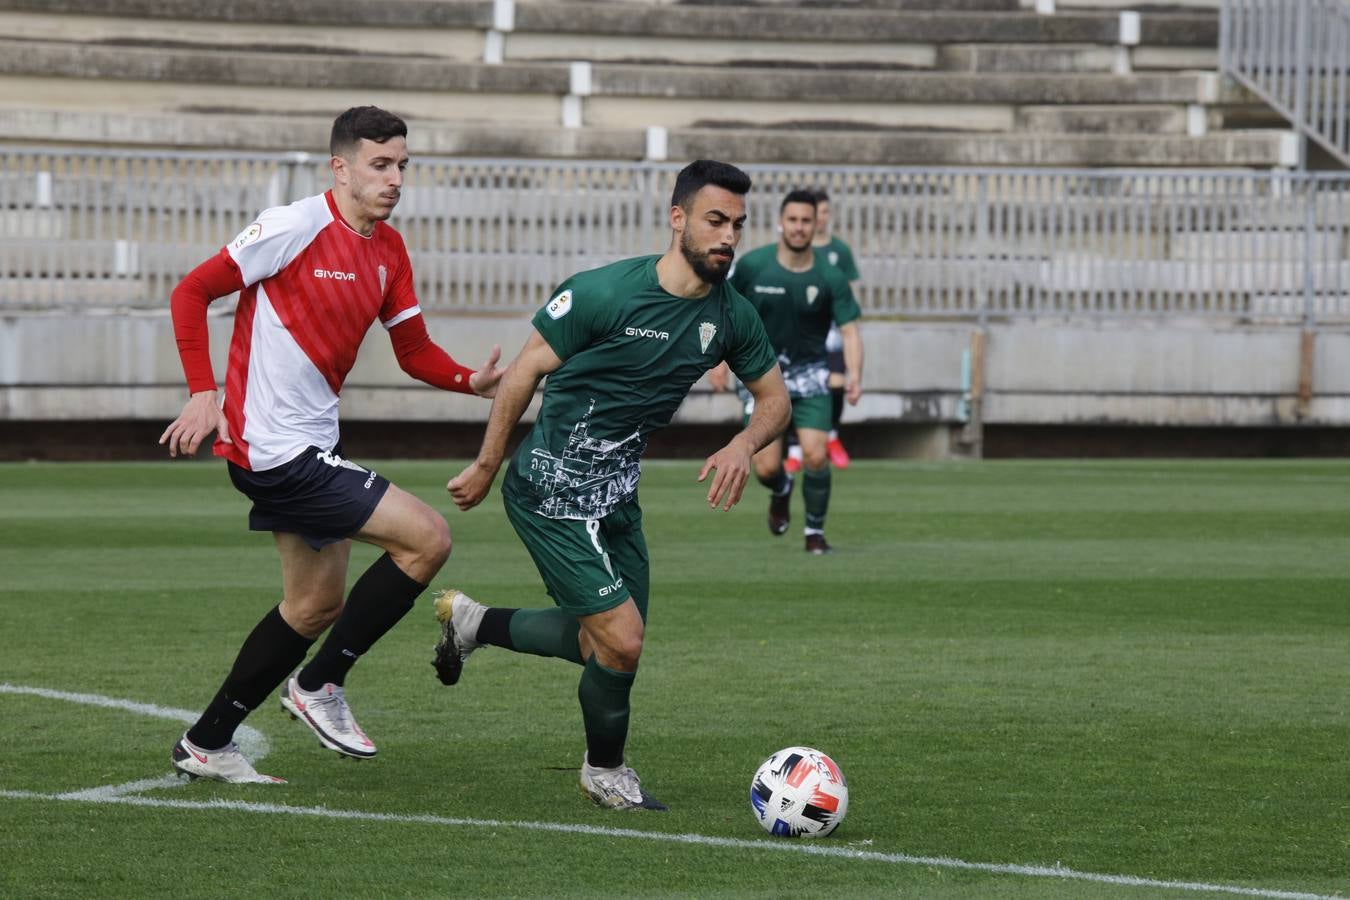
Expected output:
(275, 238)
(843, 305)
(751, 354)
(847, 264)
(400, 296)
(578, 312)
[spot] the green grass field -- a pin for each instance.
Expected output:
(1138, 672)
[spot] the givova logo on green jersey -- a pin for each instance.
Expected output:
(647, 333)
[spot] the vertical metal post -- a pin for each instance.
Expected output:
(1302, 41)
(1308, 342)
(972, 435)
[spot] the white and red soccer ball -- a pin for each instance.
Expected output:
(799, 792)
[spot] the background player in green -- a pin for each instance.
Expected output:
(799, 295)
(621, 346)
(840, 255)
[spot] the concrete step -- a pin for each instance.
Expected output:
(1164, 29)
(894, 5)
(799, 53)
(1210, 6)
(292, 73)
(376, 13)
(1074, 58)
(1255, 148)
(231, 130)
(732, 22)
(464, 44)
(1152, 119)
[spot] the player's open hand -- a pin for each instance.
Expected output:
(484, 381)
(732, 465)
(469, 487)
(201, 415)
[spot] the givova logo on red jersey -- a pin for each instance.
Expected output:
(335, 276)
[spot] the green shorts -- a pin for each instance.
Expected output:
(588, 565)
(807, 412)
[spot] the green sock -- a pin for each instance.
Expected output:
(546, 632)
(603, 693)
(816, 493)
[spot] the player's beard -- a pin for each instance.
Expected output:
(797, 248)
(708, 269)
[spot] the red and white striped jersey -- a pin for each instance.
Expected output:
(313, 287)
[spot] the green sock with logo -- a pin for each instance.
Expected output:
(816, 494)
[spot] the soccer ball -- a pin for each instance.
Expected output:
(799, 792)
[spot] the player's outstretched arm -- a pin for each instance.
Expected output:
(514, 392)
(484, 382)
(853, 361)
(733, 462)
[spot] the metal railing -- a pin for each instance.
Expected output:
(86, 228)
(1295, 55)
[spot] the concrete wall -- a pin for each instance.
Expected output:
(56, 367)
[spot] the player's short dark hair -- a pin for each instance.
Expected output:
(822, 195)
(799, 196)
(702, 172)
(364, 122)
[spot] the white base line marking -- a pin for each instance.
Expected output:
(780, 846)
(251, 741)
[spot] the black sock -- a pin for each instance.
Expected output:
(381, 596)
(267, 656)
(495, 629)
(779, 483)
(836, 408)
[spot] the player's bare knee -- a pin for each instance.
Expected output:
(815, 458)
(310, 616)
(437, 545)
(624, 651)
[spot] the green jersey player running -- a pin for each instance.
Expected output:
(621, 346)
(799, 295)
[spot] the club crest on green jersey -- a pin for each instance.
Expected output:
(706, 332)
(560, 305)
(812, 292)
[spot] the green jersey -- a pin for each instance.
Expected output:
(838, 254)
(631, 351)
(798, 309)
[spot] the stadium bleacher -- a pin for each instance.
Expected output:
(1073, 180)
(981, 82)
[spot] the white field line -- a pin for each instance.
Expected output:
(780, 846)
(251, 741)
(119, 794)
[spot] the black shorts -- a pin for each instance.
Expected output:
(318, 495)
(835, 360)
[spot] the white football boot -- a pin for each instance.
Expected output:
(617, 788)
(226, 764)
(327, 714)
(459, 615)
